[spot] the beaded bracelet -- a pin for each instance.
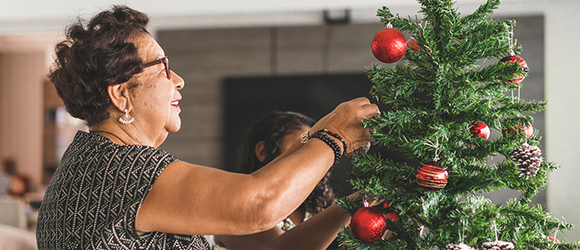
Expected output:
(337, 137)
(330, 142)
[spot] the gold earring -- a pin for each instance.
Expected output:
(126, 118)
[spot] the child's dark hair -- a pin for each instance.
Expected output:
(271, 129)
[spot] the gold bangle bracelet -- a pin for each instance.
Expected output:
(304, 137)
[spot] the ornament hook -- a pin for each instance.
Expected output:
(511, 38)
(435, 146)
(462, 232)
(511, 41)
(495, 230)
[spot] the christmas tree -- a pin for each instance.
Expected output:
(442, 106)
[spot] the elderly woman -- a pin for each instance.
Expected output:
(114, 189)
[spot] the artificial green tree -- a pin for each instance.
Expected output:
(436, 99)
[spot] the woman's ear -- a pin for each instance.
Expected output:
(260, 151)
(119, 96)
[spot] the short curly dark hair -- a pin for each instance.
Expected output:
(95, 56)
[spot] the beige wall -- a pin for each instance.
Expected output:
(21, 110)
(562, 117)
(24, 63)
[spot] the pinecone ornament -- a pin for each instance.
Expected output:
(528, 159)
(498, 245)
(460, 246)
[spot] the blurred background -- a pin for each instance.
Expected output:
(242, 58)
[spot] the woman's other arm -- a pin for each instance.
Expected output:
(317, 233)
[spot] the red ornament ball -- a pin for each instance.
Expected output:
(389, 45)
(511, 59)
(368, 224)
(432, 177)
(527, 130)
(479, 129)
(391, 216)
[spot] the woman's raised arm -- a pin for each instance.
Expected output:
(191, 199)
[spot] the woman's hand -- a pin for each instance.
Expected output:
(346, 121)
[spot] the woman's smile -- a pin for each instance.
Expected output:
(176, 103)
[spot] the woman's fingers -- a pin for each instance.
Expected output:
(346, 120)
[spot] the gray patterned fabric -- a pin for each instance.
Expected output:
(93, 198)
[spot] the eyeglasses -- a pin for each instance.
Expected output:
(165, 62)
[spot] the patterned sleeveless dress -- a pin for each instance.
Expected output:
(93, 199)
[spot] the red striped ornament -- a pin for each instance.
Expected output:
(479, 129)
(432, 177)
(511, 58)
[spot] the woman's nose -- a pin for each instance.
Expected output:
(179, 82)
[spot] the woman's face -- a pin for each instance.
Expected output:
(155, 100)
